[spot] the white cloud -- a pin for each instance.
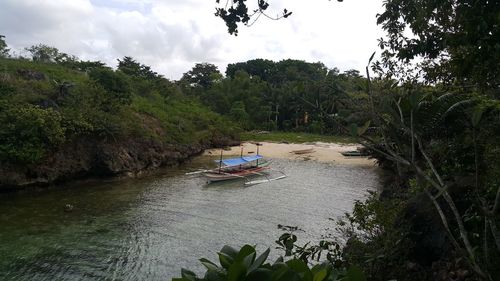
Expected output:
(172, 36)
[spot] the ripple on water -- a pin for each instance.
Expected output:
(147, 229)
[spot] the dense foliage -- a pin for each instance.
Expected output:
(430, 117)
(48, 101)
(289, 95)
(455, 40)
(243, 264)
(439, 145)
(434, 113)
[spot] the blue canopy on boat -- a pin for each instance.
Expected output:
(252, 158)
(239, 160)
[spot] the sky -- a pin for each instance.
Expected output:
(172, 36)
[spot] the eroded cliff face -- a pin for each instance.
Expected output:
(86, 158)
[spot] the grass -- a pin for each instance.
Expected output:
(294, 137)
(51, 70)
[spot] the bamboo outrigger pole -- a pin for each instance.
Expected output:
(220, 161)
(257, 144)
(241, 153)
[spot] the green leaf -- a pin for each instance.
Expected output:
(476, 116)
(260, 274)
(354, 273)
(215, 276)
(363, 129)
(248, 260)
(229, 251)
(278, 260)
(320, 275)
(244, 252)
(209, 265)
(414, 100)
(315, 269)
(300, 267)
(281, 272)
(225, 260)
(353, 130)
(236, 272)
(259, 261)
(371, 58)
(188, 274)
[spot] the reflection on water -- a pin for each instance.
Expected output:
(147, 229)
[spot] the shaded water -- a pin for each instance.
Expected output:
(147, 229)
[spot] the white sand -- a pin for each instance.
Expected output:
(321, 152)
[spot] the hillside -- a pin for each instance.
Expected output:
(64, 121)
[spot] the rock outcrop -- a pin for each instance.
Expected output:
(87, 158)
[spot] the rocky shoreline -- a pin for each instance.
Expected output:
(90, 158)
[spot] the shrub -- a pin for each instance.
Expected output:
(115, 84)
(27, 131)
(243, 264)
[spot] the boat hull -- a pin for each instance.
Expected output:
(236, 174)
(354, 154)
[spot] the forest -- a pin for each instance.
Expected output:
(51, 98)
(428, 111)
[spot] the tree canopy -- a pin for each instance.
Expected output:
(286, 95)
(133, 68)
(202, 75)
(48, 54)
(458, 40)
(4, 51)
(454, 41)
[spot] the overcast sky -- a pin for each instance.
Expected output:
(172, 35)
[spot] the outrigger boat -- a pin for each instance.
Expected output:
(354, 153)
(241, 167)
(235, 168)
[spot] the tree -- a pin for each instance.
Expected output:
(48, 54)
(115, 84)
(263, 68)
(43, 53)
(133, 68)
(456, 39)
(202, 75)
(290, 91)
(4, 51)
(88, 65)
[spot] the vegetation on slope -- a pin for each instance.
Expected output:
(46, 104)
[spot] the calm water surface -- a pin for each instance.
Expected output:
(147, 229)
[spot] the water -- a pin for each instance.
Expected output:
(147, 229)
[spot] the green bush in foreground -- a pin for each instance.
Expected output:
(245, 265)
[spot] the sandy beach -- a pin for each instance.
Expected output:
(317, 151)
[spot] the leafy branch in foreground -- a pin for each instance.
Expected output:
(243, 264)
(237, 11)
